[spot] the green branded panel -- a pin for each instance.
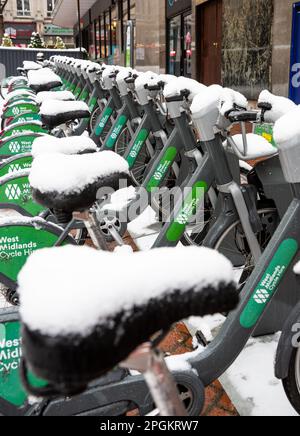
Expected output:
(92, 104)
(266, 131)
(189, 208)
(84, 95)
(73, 88)
(77, 91)
(120, 124)
(15, 130)
(137, 146)
(17, 191)
(20, 145)
(20, 109)
(103, 122)
(18, 164)
(269, 284)
(162, 169)
(11, 389)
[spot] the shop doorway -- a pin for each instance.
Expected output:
(180, 45)
(209, 42)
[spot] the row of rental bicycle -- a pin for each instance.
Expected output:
(85, 150)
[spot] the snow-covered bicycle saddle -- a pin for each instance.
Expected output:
(43, 80)
(54, 95)
(71, 182)
(255, 147)
(102, 316)
(55, 113)
(48, 144)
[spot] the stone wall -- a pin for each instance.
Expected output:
(282, 31)
(247, 45)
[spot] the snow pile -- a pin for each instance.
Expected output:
(280, 106)
(85, 300)
(124, 249)
(108, 71)
(144, 79)
(205, 98)
(124, 74)
(174, 87)
(230, 99)
(54, 95)
(74, 145)
(42, 77)
(68, 174)
(257, 146)
(54, 107)
(287, 128)
(31, 66)
(297, 269)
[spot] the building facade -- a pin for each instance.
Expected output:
(245, 44)
(22, 17)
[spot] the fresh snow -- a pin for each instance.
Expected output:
(49, 144)
(71, 174)
(55, 107)
(257, 146)
(123, 74)
(179, 84)
(297, 269)
(251, 384)
(85, 300)
(230, 98)
(42, 77)
(31, 66)
(287, 128)
(144, 79)
(54, 95)
(280, 106)
(205, 98)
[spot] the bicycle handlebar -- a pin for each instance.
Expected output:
(243, 116)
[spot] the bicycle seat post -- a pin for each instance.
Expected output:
(151, 363)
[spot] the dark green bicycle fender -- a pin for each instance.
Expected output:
(25, 118)
(15, 164)
(17, 145)
(17, 241)
(15, 194)
(20, 109)
(18, 129)
(25, 98)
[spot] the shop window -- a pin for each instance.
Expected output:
(180, 45)
(23, 8)
(97, 37)
(50, 7)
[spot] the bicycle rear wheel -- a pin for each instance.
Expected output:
(292, 383)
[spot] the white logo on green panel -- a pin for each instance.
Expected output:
(16, 111)
(13, 192)
(14, 147)
(14, 168)
(261, 296)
